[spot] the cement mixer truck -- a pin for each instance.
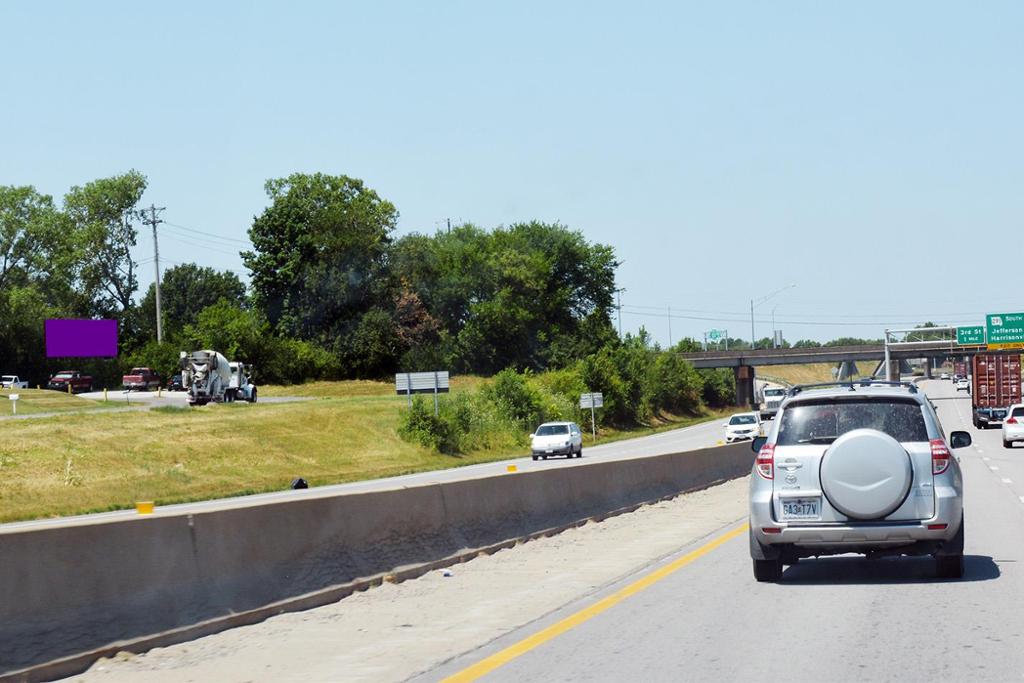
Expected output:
(208, 376)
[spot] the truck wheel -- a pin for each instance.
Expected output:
(253, 399)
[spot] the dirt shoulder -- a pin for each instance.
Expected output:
(393, 632)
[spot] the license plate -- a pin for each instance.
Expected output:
(549, 451)
(801, 508)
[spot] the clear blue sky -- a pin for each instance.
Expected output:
(868, 152)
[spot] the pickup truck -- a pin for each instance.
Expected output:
(73, 378)
(12, 382)
(141, 379)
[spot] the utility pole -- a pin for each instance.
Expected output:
(618, 294)
(670, 327)
(154, 221)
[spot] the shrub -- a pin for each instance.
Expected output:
(511, 393)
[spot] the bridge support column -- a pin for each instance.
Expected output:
(745, 394)
(928, 368)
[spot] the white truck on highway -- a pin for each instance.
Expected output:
(207, 376)
(771, 399)
(12, 382)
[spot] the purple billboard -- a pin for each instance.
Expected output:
(68, 338)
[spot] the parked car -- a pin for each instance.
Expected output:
(1013, 425)
(557, 438)
(12, 382)
(963, 385)
(174, 383)
(73, 378)
(141, 379)
(856, 469)
(742, 426)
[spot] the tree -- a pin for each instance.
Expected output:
(533, 295)
(186, 290)
(319, 257)
(26, 221)
(101, 217)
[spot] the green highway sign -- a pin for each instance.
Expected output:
(970, 335)
(715, 335)
(1005, 330)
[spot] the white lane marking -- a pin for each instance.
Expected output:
(993, 468)
(981, 451)
(1007, 481)
(986, 459)
(1022, 499)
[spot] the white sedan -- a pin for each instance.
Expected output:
(557, 438)
(1013, 425)
(742, 426)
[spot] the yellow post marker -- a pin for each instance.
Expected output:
(511, 468)
(158, 391)
(69, 387)
(720, 443)
(144, 507)
(104, 395)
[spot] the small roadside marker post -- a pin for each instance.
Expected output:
(14, 403)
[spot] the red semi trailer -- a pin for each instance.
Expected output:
(995, 386)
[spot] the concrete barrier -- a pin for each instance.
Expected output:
(71, 594)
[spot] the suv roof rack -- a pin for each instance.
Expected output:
(852, 386)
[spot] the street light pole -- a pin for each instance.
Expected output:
(758, 303)
(775, 336)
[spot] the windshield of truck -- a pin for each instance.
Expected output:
(138, 371)
(8, 378)
(774, 392)
(742, 420)
(63, 375)
(824, 422)
(552, 430)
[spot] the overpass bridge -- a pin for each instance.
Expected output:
(743, 362)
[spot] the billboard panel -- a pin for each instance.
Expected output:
(71, 338)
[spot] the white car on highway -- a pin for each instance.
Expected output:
(742, 426)
(963, 385)
(1013, 425)
(557, 438)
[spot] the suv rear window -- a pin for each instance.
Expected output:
(824, 422)
(1018, 412)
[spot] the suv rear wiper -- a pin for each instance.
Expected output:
(819, 439)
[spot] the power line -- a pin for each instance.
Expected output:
(823, 323)
(209, 234)
(185, 240)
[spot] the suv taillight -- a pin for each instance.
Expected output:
(766, 461)
(1011, 421)
(940, 456)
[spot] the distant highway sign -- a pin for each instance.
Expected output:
(715, 335)
(970, 335)
(595, 400)
(1005, 331)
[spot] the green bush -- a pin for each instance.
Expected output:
(511, 393)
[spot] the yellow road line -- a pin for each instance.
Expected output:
(485, 666)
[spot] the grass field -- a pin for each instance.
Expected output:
(810, 373)
(43, 401)
(79, 463)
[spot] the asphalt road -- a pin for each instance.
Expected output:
(675, 441)
(835, 619)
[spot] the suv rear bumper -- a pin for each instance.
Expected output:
(858, 536)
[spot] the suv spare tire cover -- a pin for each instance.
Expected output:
(866, 474)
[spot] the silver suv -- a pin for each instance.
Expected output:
(856, 468)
